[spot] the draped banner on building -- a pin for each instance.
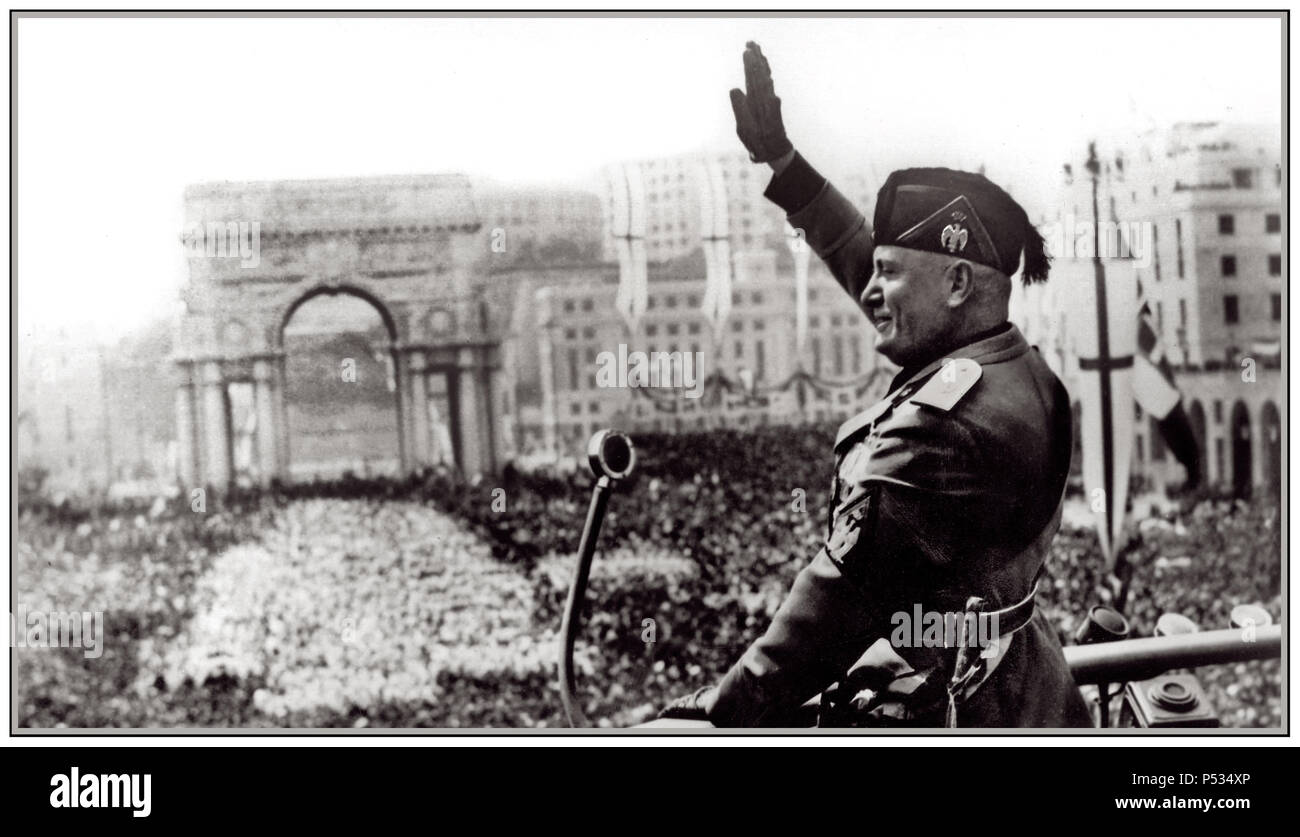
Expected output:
(628, 227)
(715, 232)
(802, 254)
(544, 311)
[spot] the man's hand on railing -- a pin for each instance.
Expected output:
(692, 707)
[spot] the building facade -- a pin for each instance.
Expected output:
(90, 416)
(749, 373)
(674, 188)
(1195, 215)
(750, 370)
(539, 225)
(498, 307)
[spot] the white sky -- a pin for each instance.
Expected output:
(116, 117)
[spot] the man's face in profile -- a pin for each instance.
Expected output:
(907, 301)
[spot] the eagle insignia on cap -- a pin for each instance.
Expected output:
(961, 215)
(954, 237)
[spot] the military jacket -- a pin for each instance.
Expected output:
(947, 488)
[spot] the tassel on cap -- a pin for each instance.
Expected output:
(1037, 260)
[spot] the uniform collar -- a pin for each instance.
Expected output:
(1003, 344)
(910, 372)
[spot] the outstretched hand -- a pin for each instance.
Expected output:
(758, 111)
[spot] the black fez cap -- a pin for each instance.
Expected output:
(957, 213)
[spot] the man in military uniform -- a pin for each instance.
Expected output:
(946, 493)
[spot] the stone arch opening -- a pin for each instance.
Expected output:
(408, 247)
(1196, 416)
(342, 401)
(1242, 463)
(335, 291)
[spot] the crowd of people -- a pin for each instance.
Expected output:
(435, 601)
(747, 508)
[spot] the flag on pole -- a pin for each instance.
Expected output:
(627, 226)
(715, 238)
(1159, 397)
(1105, 344)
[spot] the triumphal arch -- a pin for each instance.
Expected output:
(412, 247)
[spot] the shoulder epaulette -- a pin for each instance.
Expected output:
(949, 385)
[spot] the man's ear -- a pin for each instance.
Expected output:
(959, 281)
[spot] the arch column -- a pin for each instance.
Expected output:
(420, 430)
(504, 419)
(279, 416)
(268, 464)
(187, 431)
(492, 434)
(475, 449)
(403, 404)
(218, 466)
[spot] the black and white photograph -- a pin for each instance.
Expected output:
(654, 374)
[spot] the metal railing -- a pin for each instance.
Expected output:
(1138, 659)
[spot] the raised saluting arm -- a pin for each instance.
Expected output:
(837, 232)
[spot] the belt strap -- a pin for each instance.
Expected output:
(972, 668)
(892, 683)
(1017, 615)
